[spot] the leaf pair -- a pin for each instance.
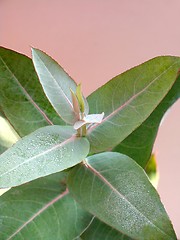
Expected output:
(118, 194)
(22, 99)
(125, 107)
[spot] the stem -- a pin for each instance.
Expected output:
(81, 132)
(84, 131)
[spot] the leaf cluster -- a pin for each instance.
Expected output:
(75, 165)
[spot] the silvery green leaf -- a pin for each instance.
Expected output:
(47, 150)
(56, 84)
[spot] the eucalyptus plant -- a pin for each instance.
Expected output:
(76, 167)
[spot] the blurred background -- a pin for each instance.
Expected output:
(95, 41)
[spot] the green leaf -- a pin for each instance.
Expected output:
(43, 210)
(47, 150)
(114, 188)
(56, 84)
(21, 96)
(99, 230)
(138, 145)
(129, 99)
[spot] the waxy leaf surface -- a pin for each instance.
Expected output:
(128, 100)
(99, 230)
(114, 188)
(43, 210)
(57, 85)
(138, 145)
(47, 150)
(21, 95)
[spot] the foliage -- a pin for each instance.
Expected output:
(78, 169)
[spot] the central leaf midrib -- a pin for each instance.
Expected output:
(107, 183)
(54, 200)
(27, 94)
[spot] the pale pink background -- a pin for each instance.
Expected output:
(97, 39)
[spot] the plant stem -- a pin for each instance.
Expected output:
(81, 132)
(84, 131)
